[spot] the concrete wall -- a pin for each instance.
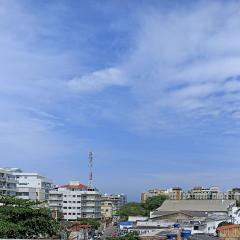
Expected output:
(177, 217)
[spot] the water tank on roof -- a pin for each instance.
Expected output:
(176, 225)
(185, 234)
(172, 236)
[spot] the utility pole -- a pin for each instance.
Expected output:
(90, 166)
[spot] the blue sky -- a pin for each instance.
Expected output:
(151, 87)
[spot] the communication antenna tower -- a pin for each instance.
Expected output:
(90, 165)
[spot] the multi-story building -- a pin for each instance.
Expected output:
(152, 193)
(175, 193)
(234, 194)
(200, 193)
(55, 200)
(7, 182)
(31, 186)
(76, 200)
(110, 204)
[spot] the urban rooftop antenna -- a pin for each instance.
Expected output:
(90, 165)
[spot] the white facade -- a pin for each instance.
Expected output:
(32, 186)
(7, 182)
(55, 200)
(235, 215)
(78, 201)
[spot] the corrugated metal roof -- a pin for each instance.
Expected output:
(196, 205)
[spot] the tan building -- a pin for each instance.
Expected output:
(196, 193)
(175, 193)
(152, 193)
(110, 203)
(234, 194)
(229, 232)
(201, 193)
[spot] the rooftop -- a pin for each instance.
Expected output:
(196, 205)
(79, 186)
(228, 227)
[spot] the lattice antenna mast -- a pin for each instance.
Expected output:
(90, 165)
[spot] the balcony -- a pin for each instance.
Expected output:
(55, 199)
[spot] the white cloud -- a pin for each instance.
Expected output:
(98, 80)
(182, 61)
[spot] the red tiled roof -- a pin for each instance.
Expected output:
(79, 186)
(228, 227)
(76, 226)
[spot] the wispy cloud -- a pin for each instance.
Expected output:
(98, 80)
(75, 76)
(184, 61)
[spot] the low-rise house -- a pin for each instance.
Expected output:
(137, 218)
(183, 210)
(212, 223)
(125, 225)
(229, 231)
(208, 226)
(235, 215)
(162, 234)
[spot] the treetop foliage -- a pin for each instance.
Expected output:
(24, 219)
(139, 209)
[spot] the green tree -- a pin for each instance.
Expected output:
(131, 209)
(94, 223)
(155, 202)
(24, 219)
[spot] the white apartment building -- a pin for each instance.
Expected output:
(76, 200)
(31, 186)
(7, 182)
(55, 200)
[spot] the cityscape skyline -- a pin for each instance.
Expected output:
(151, 87)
